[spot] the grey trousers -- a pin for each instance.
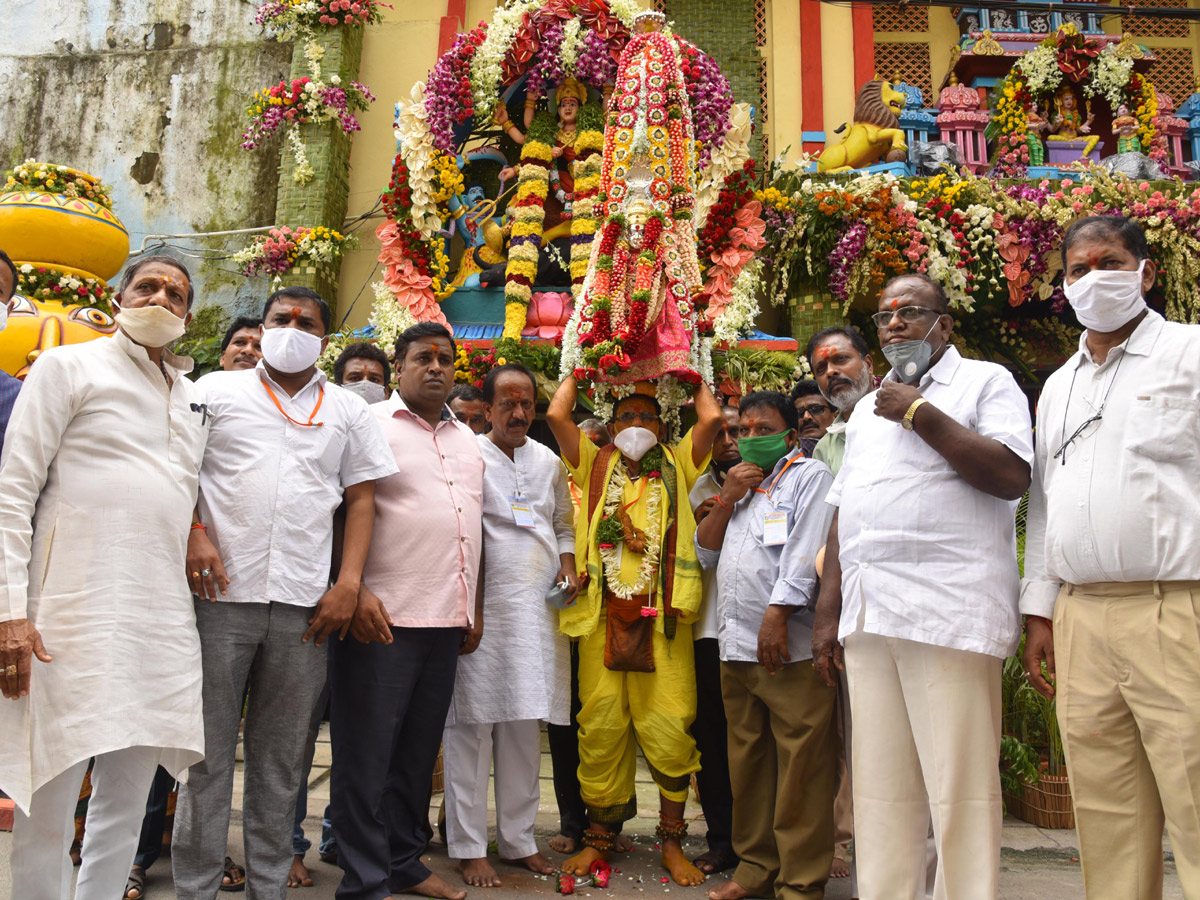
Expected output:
(254, 646)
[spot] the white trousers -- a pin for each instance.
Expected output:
(467, 755)
(41, 866)
(925, 746)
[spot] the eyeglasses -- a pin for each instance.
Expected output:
(629, 418)
(906, 314)
(813, 409)
(1061, 452)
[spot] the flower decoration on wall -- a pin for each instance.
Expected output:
(292, 19)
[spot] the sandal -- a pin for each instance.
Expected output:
(713, 861)
(236, 875)
(136, 882)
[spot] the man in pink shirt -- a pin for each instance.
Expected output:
(392, 678)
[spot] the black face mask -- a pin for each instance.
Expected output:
(724, 467)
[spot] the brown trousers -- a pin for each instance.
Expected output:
(782, 767)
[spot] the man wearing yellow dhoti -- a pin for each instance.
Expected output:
(637, 684)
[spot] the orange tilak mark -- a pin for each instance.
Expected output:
(895, 303)
(825, 352)
(297, 312)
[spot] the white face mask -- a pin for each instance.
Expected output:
(635, 442)
(290, 350)
(368, 390)
(4, 315)
(150, 326)
(1106, 299)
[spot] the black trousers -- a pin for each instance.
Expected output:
(155, 822)
(564, 758)
(710, 731)
(388, 707)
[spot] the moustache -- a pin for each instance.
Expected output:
(517, 423)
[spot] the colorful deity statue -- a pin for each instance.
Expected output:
(1125, 129)
(1036, 128)
(638, 319)
(1069, 123)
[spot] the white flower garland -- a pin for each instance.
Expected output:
(731, 156)
(611, 556)
(568, 52)
(304, 173)
(418, 152)
(487, 65)
(739, 314)
(1110, 75)
(1041, 71)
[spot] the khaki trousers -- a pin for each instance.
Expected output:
(1128, 677)
(782, 765)
(925, 744)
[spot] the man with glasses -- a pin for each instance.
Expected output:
(637, 680)
(920, 584)
(1112, 579)
(816, 415)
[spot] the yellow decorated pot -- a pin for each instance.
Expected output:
(36, 325)
(61, 231)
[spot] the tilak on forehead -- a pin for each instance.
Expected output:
(827, 351)
(297, 312)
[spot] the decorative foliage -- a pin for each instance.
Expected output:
(49, 284)
(32, 175)
(284, 248)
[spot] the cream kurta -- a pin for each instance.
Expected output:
(521, 669)
(97, 486)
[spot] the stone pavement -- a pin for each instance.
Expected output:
(1036, 864)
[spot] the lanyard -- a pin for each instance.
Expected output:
(777, 477)
(310, 423)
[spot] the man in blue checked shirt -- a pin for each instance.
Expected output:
(762, 536)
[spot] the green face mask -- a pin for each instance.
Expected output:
(765, 450)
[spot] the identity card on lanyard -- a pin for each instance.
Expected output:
(522, 512)
(775, 526)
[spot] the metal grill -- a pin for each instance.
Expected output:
(1171, 72)
(1143, 27)
(905, 62)
(900, 18)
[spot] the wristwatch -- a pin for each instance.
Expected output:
(907, 422)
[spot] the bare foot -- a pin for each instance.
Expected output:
(478, 873)
(433, 886)
(560, 843)
(730, 890)
(681, 869)
(537, 864)
(839, 869)
(580, 864)
(622, 844)
(298, 875)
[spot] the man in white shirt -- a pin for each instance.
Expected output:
(920, 583)
(97, 485)
(762, 538)
(520, 674)
(1112, 578)
(710, 728)
(284, 449)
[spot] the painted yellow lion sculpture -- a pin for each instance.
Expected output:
(876, 131)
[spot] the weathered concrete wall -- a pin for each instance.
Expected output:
(150, 95)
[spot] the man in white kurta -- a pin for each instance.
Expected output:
(97, 486)
(520, 673)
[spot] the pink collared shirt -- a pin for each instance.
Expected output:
(424, 557)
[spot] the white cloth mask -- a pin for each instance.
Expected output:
(150, 326)
(290, 350)
(4, 315)
(635, 442)
(368, 390)
(1106, 299)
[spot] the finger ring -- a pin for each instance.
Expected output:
(11, 671)
(195, 574)
(206, 572)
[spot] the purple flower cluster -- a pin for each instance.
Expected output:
(269, 11)
(711, 98)
(778, 222)
(264, 125)
(344, 103)
(594, 65)
(444, 90)
(546, 72)
(841, 261)
(1037, 235)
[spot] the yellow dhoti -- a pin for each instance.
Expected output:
(622, 710)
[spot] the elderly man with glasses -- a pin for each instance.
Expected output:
(637, 678)
(920, 585)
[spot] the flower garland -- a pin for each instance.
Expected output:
(46, 283)
(283, 248)
(290, 19)
(610, 555)
(32, 175)
(740, 313)
(525, 244)
(589, 142)
(416, 157)
(725, 162)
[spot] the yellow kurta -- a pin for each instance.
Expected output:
(624, 709)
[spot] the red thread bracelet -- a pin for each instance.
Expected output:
(722, 502)
(199, 525)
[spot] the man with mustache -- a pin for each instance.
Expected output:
(520, 675)
(242, 346)
(392, 678)
(815, 413)
(841, 364)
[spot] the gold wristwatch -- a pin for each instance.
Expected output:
(907, 422)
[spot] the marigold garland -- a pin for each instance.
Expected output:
(529, 214)
(585, 170)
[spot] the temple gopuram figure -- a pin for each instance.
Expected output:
(1069, 124)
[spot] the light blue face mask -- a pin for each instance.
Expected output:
(910, 359)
